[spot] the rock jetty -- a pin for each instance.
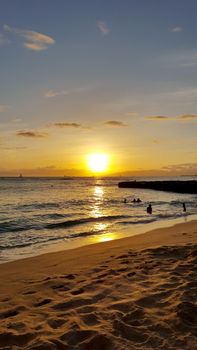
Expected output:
(168, 186)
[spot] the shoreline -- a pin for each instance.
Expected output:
(143, 240)
(135, 230)
(129, 293)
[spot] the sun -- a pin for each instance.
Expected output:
(98, 162)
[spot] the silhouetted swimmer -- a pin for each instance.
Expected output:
(149, 209)
(138, 200)
(184, 207)
(125, 200)
(134, 200)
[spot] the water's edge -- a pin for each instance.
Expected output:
(82, 242)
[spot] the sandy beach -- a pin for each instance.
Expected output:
(134, 293)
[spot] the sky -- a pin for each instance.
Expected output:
(117, 77)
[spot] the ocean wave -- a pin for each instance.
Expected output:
(168, 216)
(10, 226)
(84, 221)
(38, 206)
(52, 216)
(131, 222)
(50, 239)
(26, 225)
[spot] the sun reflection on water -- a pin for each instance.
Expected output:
(105, 237)
(98, 198)
(97, 208)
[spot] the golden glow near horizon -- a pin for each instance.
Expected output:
(98, 162)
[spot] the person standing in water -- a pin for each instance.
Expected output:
(149, 209)
(184, 207)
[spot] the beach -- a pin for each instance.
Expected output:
(98, 175)
(133, 293)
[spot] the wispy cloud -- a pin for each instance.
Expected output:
(31, 134)
(187, 117)
(56, 93)
(184, 117)
(103, 27)
(31, 40)
(53, 93)
(158, 117)
(67, 125)
(115, 123)
(176, 29)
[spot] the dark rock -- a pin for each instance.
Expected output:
(168, 186)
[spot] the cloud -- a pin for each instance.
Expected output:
(31, 134)
(158, 117)
(31, 40)
(186, 117)
(35, 46)
(55, 93)
(67, 125)
(176, 29)
(102, 26)
(115, 123)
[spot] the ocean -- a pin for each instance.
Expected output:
(45, 214)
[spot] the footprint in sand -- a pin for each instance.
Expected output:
(73, 303)
(123, 269)
(29, 292)
(131, 274)
(129, 332)
(17, 326)
(78, 336)
(5, 300)
(56, 323)
(42, 302)
(98, 342)
(11, 339)
(78, 291)
(9, 313)
(69, 276)
(124, 256)
(90, 319)
(187, 312)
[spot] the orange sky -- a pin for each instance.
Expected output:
(98, 77)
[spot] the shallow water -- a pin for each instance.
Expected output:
(36, 213)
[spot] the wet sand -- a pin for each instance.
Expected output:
(135, 293)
